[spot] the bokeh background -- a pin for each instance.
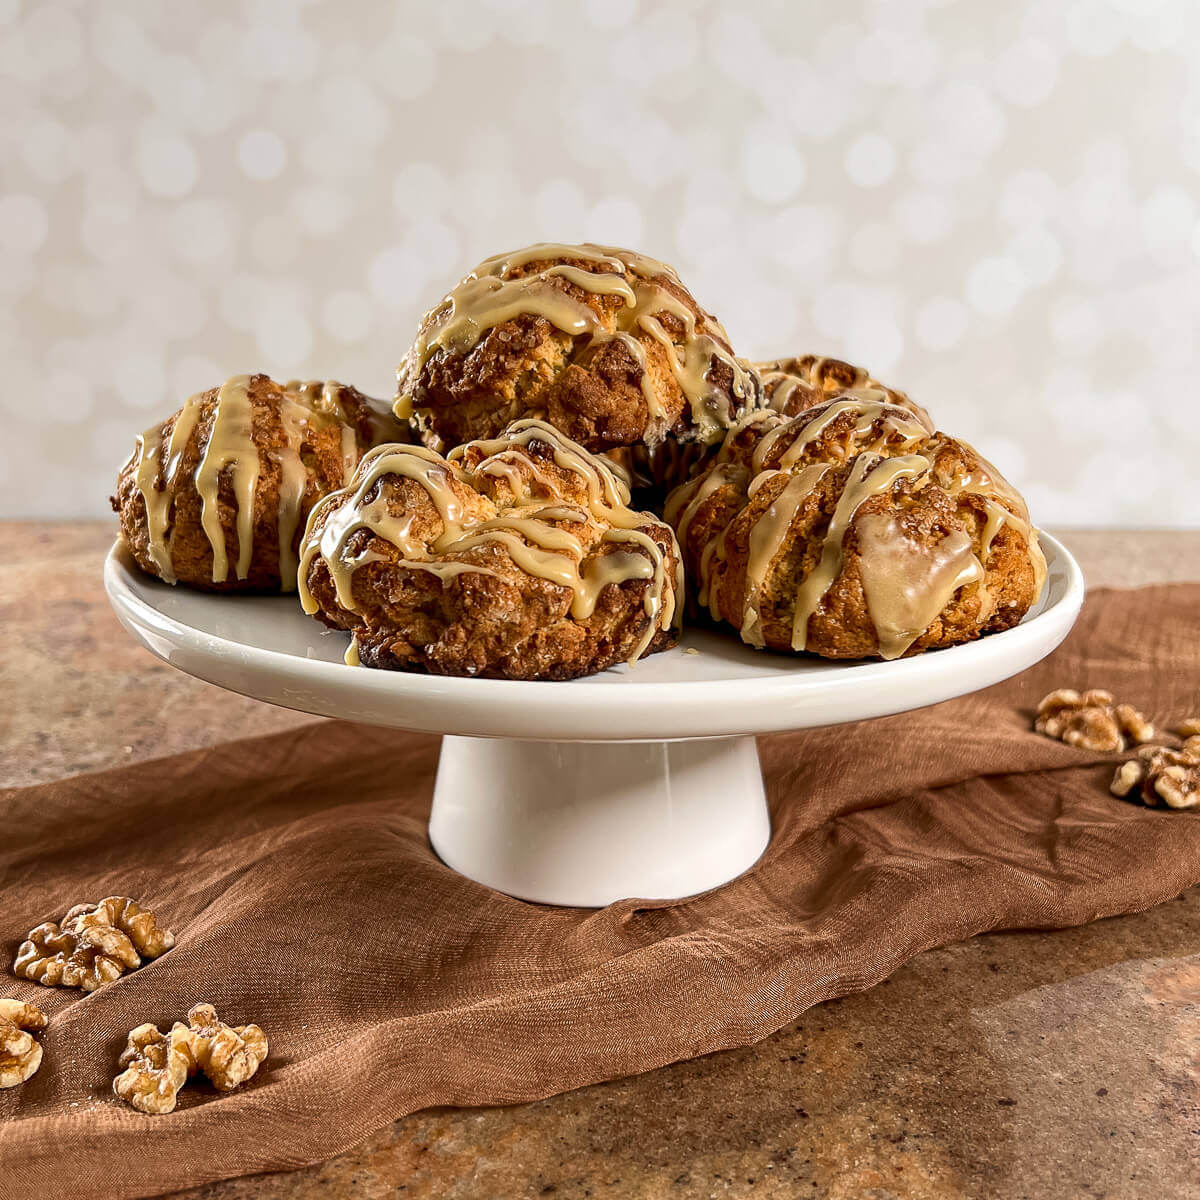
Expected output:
(993, 206)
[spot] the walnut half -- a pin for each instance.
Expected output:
(1161, 776)
(20, 1054)
(227, 1054)
(1091, 720)
(156, 1067)
(95, 944)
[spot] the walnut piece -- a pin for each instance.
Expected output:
(158, 1064)
(1091, 721)
(227, 1054)
(20, 1055)
(156, 1067)
(1189, 727)
(1161, 776)
(95, 944)
(1133, 726)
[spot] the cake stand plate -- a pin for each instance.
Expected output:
(637, 782)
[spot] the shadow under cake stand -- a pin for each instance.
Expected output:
(637, 782)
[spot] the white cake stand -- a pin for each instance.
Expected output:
(639, 782)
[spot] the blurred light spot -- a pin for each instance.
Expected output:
(194, 373)
(870, 160)
(262, 154)
(558, 208)
(273, 243)
(419, 187)
(407, 66)
(1029, 197)
(875, 249)
(1025, 73)
(1037, 254)
(141, 380)
(804, 238)
(396, 278)
(321, 208)
(66, 397)
(23, 223)
(994, 286)
(772, 167)
(202, 231)
(166, 163)
(49, 149)
(1168, 218)
(924, 217)
(615, 221)
(1076, 326)
(347, 316)
(941, 323)
(1093, 28)
(875, 339)
(610, 14)
(284, 338)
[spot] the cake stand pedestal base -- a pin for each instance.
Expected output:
(587, 823)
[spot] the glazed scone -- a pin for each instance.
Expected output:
(853, 531)
(790, 385)
(216, 496)
(605, 344)
(516, 557)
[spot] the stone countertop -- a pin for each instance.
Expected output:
(1009, 1065)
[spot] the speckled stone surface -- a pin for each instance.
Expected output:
(1012, 1065)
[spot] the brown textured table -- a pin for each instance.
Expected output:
(1011, 1065)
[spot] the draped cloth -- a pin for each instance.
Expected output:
(296, 874)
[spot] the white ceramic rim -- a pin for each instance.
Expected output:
(635, 710)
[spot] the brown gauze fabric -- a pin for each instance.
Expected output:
(296, 875)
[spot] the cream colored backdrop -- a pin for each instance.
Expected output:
(993, 205)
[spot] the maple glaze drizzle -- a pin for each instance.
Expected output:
(783, 378)
(766, 540)
(153, 464)
(989, 486)
(230, 447)
(491, 295)
(906, 581)
(534, 532)
(230, 451)
(870, 475)
(897, 427)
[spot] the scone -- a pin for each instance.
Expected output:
(790, 385)
(516, 557)
(605, 344)
(853, 531)
(216, 496)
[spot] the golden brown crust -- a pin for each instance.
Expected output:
(328, 427)
(419, 595)
(774, 490)
(790, 385)
(609, 382)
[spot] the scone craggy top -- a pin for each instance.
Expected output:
(606, 343)
(790, 385)
(525, 509)
(851, 530)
